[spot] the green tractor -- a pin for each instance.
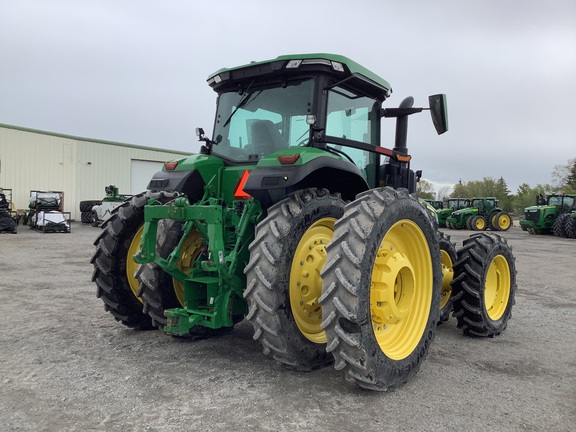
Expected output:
(556, 214)
(452, 205)
(482, 214)
(438, 205)
(295, 218)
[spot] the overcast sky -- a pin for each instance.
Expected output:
(135, 71)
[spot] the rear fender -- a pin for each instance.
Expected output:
(271, 183)
(189, 177)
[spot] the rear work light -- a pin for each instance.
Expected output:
(295, 64)
(170, 166)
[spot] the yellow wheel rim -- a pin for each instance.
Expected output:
(305, 281)
(504, 221)
(493, 220)
(191, 248)
(480, 224)
(497, 287)
(447, 276)
(401, 289)
(131, 265)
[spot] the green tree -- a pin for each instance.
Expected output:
(564, 176)
(487, 187)
(425, 190)
(570, 185)
(526, 196)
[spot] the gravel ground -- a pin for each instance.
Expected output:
(66, 365)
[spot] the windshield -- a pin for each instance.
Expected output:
(261, 121)
(354, 117)
(556, 200)
(489, 203)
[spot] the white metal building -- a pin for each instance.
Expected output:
(80, 167)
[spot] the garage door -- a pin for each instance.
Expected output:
(142, 172)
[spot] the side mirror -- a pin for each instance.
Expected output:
(439, 112)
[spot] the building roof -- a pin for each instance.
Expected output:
(99, 141)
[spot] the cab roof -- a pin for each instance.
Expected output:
(336, 65)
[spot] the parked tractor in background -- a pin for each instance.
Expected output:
(438, 205)
(295, 218)
(556, 214)
(102, 212)
(452, 205)
(97, 211)
(482, 214)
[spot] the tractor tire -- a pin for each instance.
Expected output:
(94, 219)
(283, 277)
(570, 227)
(448, 258)
(477, 223)
(381, 290)
(86, 206)
(468, 223)
(502, 221)
(559, 226)
(86, 217)
(114, 268)
(484, 285)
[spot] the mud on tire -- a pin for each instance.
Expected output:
(283, 277)
(381, 289)
(113, 267)
(484, 285)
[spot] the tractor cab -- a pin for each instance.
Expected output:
(318, 110)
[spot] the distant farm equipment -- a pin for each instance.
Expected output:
(482, 214)
(556, 214)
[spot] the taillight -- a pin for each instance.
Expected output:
(288, 159)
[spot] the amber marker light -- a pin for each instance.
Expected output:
(288, 159)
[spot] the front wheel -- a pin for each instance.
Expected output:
(283, 277)
(484, 285)
(381, 289)
(477, 223)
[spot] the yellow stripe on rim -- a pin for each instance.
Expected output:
(497, 287)
(131, 265)
(305, 281)
(401, 289)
